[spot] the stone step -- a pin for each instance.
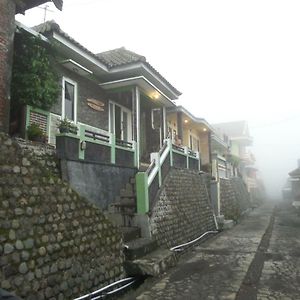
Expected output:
(139, 247)
(125, 202)
(121, 219)
(153, 264)
(227, 224)
(130, 233)
(127, 193)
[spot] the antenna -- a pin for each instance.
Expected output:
(45, 13)
(46, 10)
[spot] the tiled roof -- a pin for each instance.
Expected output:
(120, 57)
(112, 58)
(51, 25)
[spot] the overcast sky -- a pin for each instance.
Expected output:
(232, 60)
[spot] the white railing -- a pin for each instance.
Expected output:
(149, 182)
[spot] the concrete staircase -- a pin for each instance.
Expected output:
(122, 211)
(143, 257)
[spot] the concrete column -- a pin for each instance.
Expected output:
(165, 124)
(180, 126)
(138, 124)
(209, 147)
(7, 30)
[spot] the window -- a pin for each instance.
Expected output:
(69, 100)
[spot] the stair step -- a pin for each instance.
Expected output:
(127, 193)
(153, 264)
(130, 233)
(139, 247)
(228, 224)
(125, 202)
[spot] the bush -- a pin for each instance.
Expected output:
(34, 80)
(35, 133)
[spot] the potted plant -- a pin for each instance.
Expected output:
(67, 145)
(35, 133)
(66, 126)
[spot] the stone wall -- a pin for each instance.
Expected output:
(53, 243)
(182, 211)
(241, 193)
(234, 198)
(229, 204)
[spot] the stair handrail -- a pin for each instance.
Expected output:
(158, 159)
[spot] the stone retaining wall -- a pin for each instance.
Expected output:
(183, 211)
(54, 244)
(234, 198)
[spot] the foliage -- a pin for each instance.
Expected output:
(66, 125)
(34, 132)
(234, 160)
(34, 80)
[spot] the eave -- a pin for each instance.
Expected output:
(23, 5)
(199, 121)
(147, 87)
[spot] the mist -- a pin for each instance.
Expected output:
(276, 146)
(232, 60)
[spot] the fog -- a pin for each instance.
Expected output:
(232, 60)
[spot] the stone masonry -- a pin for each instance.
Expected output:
(54, 244)
(183, 211)
(234, 198)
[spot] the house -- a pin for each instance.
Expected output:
(192, 132)
(119, 103)
(8, 9)
(240, 154)
(116, 92)
(295, 186)
(220, 147)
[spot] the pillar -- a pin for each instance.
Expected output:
(7, 29)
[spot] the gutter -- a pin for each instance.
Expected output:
(32, 32)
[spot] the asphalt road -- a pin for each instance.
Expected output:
(257, 259)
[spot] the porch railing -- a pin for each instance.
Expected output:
(89, 143)
(220, 167)
(149, 182)
(104, 147)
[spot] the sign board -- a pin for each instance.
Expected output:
(95, 104)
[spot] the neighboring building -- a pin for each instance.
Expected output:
(190, 131)
(295, 186)
(220, 149)
(287, 190)
(240, 142)
(8, 9)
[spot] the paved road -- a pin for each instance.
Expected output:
(257, 259)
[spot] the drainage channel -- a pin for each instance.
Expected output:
(248, 289)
